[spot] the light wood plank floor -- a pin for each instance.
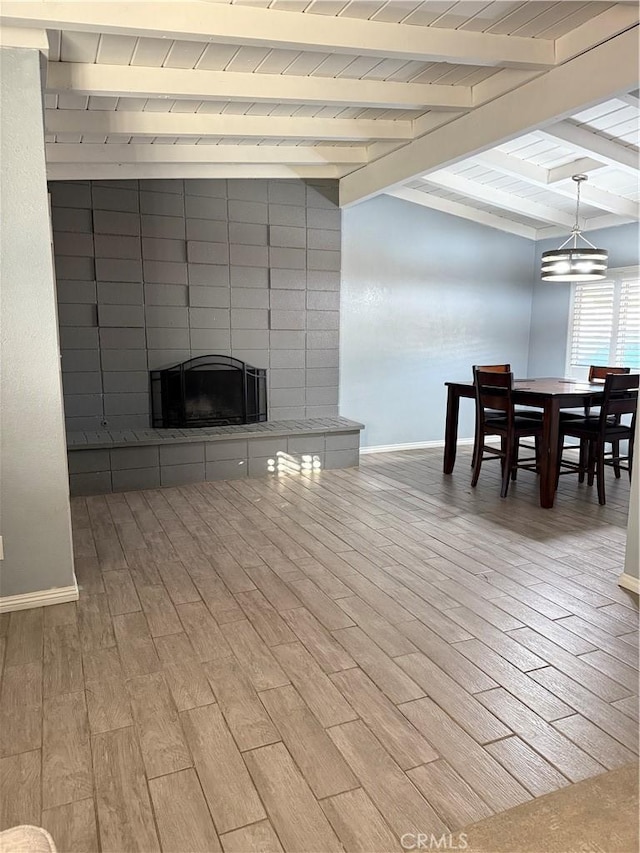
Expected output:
(320, 662)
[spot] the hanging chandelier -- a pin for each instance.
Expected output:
(574, 263)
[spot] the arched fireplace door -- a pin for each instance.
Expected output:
(212, 390)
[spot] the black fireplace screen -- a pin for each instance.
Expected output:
(213, 390)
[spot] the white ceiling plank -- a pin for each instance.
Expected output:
(289, 155)
(79, 47)
(499, 198)
(129, 81)
(202, 124)
(108, 171)
(588, 143)
(209, 22)
(631, 98)
(539, 176)
(599, 74)
(601, 199)
(462, 210)
(594, 223)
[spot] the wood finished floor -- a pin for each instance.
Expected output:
(320, 663)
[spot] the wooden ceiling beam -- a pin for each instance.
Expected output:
(464, 211)
(499, 198)
(125, 123)
(507, 164)
(271, 28)
(290, 155)
(184, 171)
(593, 144)
(130, 81)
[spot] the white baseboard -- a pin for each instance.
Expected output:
(629, 582)
(40, 598)
(412, 445)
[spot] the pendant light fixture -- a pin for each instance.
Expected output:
(575, 264)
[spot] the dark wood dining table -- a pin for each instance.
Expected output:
(551, 396)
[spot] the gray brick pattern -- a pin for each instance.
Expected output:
(151, 273)
(189, 456)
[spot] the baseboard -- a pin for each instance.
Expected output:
(40, 598)
(629, 582)
(412, 445)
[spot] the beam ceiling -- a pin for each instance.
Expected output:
(220, 89)
(599, 74)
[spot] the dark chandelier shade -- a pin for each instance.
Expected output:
(575, 264)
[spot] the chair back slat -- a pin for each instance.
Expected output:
(598, 373)
(620, 397)
(493, 368)
(493, 391)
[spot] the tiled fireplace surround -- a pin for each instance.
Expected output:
(153, 272)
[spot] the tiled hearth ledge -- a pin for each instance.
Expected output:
(121, 460)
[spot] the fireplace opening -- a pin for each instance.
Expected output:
(212, 390)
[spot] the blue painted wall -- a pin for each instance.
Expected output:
(424, 296)
(551, 302)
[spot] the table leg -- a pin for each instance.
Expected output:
(549, 450)
(451, 430)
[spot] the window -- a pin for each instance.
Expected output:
(604, 326)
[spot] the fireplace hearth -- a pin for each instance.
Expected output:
(212, 390)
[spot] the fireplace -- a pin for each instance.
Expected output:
(212, 390)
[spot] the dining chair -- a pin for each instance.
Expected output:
(620, 398)
(523, 412)
(496, 416)
(598, 373)
(487, 368)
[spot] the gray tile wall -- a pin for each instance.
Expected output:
(151, 273)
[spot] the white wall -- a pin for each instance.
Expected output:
(34, 491)
(425, 295)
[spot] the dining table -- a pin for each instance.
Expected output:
(550, 395)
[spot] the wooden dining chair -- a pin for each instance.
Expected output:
(524, 412)
(496, 416)
(620, 399)
(598, 373)
(487, 368)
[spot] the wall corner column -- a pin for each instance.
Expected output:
(630, 578)
(35, 515)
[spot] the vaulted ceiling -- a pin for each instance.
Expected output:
(482, 109)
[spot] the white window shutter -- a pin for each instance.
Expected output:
(605, 323)
(592, 323)
(628, 339)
